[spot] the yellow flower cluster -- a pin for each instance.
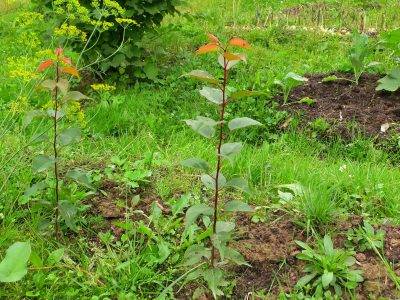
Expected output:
(114, 7)
(70, 31)
(27, 18)
(103, 87)
(74, 111)
(74, 10)
(19, 106)
(20, 67)
(125, 21)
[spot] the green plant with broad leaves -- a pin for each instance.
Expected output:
(366, 237)
(288, 83)
(328, 269)
(211, 259)
(13, 267)
(391, 41)
(46, 166)
(361, 48)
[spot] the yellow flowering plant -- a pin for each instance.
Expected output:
(107, 33)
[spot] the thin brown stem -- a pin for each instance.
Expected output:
(55, 150)
(219, 160)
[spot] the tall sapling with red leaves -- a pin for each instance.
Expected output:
(214, 257)
(61, 98)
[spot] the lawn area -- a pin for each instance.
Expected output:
(107, 193)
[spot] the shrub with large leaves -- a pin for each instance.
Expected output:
(109, 32)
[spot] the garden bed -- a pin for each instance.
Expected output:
(341, 101)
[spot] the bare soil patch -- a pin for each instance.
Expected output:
(341, 101)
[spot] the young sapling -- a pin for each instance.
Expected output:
(220, 231)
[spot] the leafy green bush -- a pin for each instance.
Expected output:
(108, 33)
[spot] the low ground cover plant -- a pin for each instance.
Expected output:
(327, 269)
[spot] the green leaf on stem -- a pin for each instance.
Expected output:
(209, 181)
(42, 163)
(213, 95)
(238, 123)
(230, 150)
(63, 86)
(202, 76)
(194, 254)
(237, 206)
(69, 135)
(49, 84)
(52, 114)
(203, 126)
(239, 183)
(68, 213)
(224, 226)
(80, 177)
(196, 163)
(215, 279)
(74, 96)
(14, 265)
(195, 211)
(29, 116)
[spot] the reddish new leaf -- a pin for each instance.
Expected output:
(70, 70)
(59, 51)
(230, 56)
(238, 42)
(45, 65)
(66, 60)
(213, 39)
(207, 48)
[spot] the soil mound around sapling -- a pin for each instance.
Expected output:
(341, 101)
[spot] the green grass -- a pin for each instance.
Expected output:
(149, 118)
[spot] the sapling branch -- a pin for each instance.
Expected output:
(57, 189)
(220, 231)
(219, 157)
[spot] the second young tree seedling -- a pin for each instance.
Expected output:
(212, 258)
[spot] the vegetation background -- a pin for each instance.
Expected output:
(138, 126)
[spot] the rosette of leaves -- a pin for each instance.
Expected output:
(217, 252)
(46, 166)
(114, 35)
(328, 269)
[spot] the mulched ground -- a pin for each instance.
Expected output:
(342, 101)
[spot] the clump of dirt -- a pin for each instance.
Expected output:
(392, 243)
(115, 202)
(266, 247)
(341, 101)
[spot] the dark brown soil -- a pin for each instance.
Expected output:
(114, 203)
(265, 247)
(342, 101)
(271, 251)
